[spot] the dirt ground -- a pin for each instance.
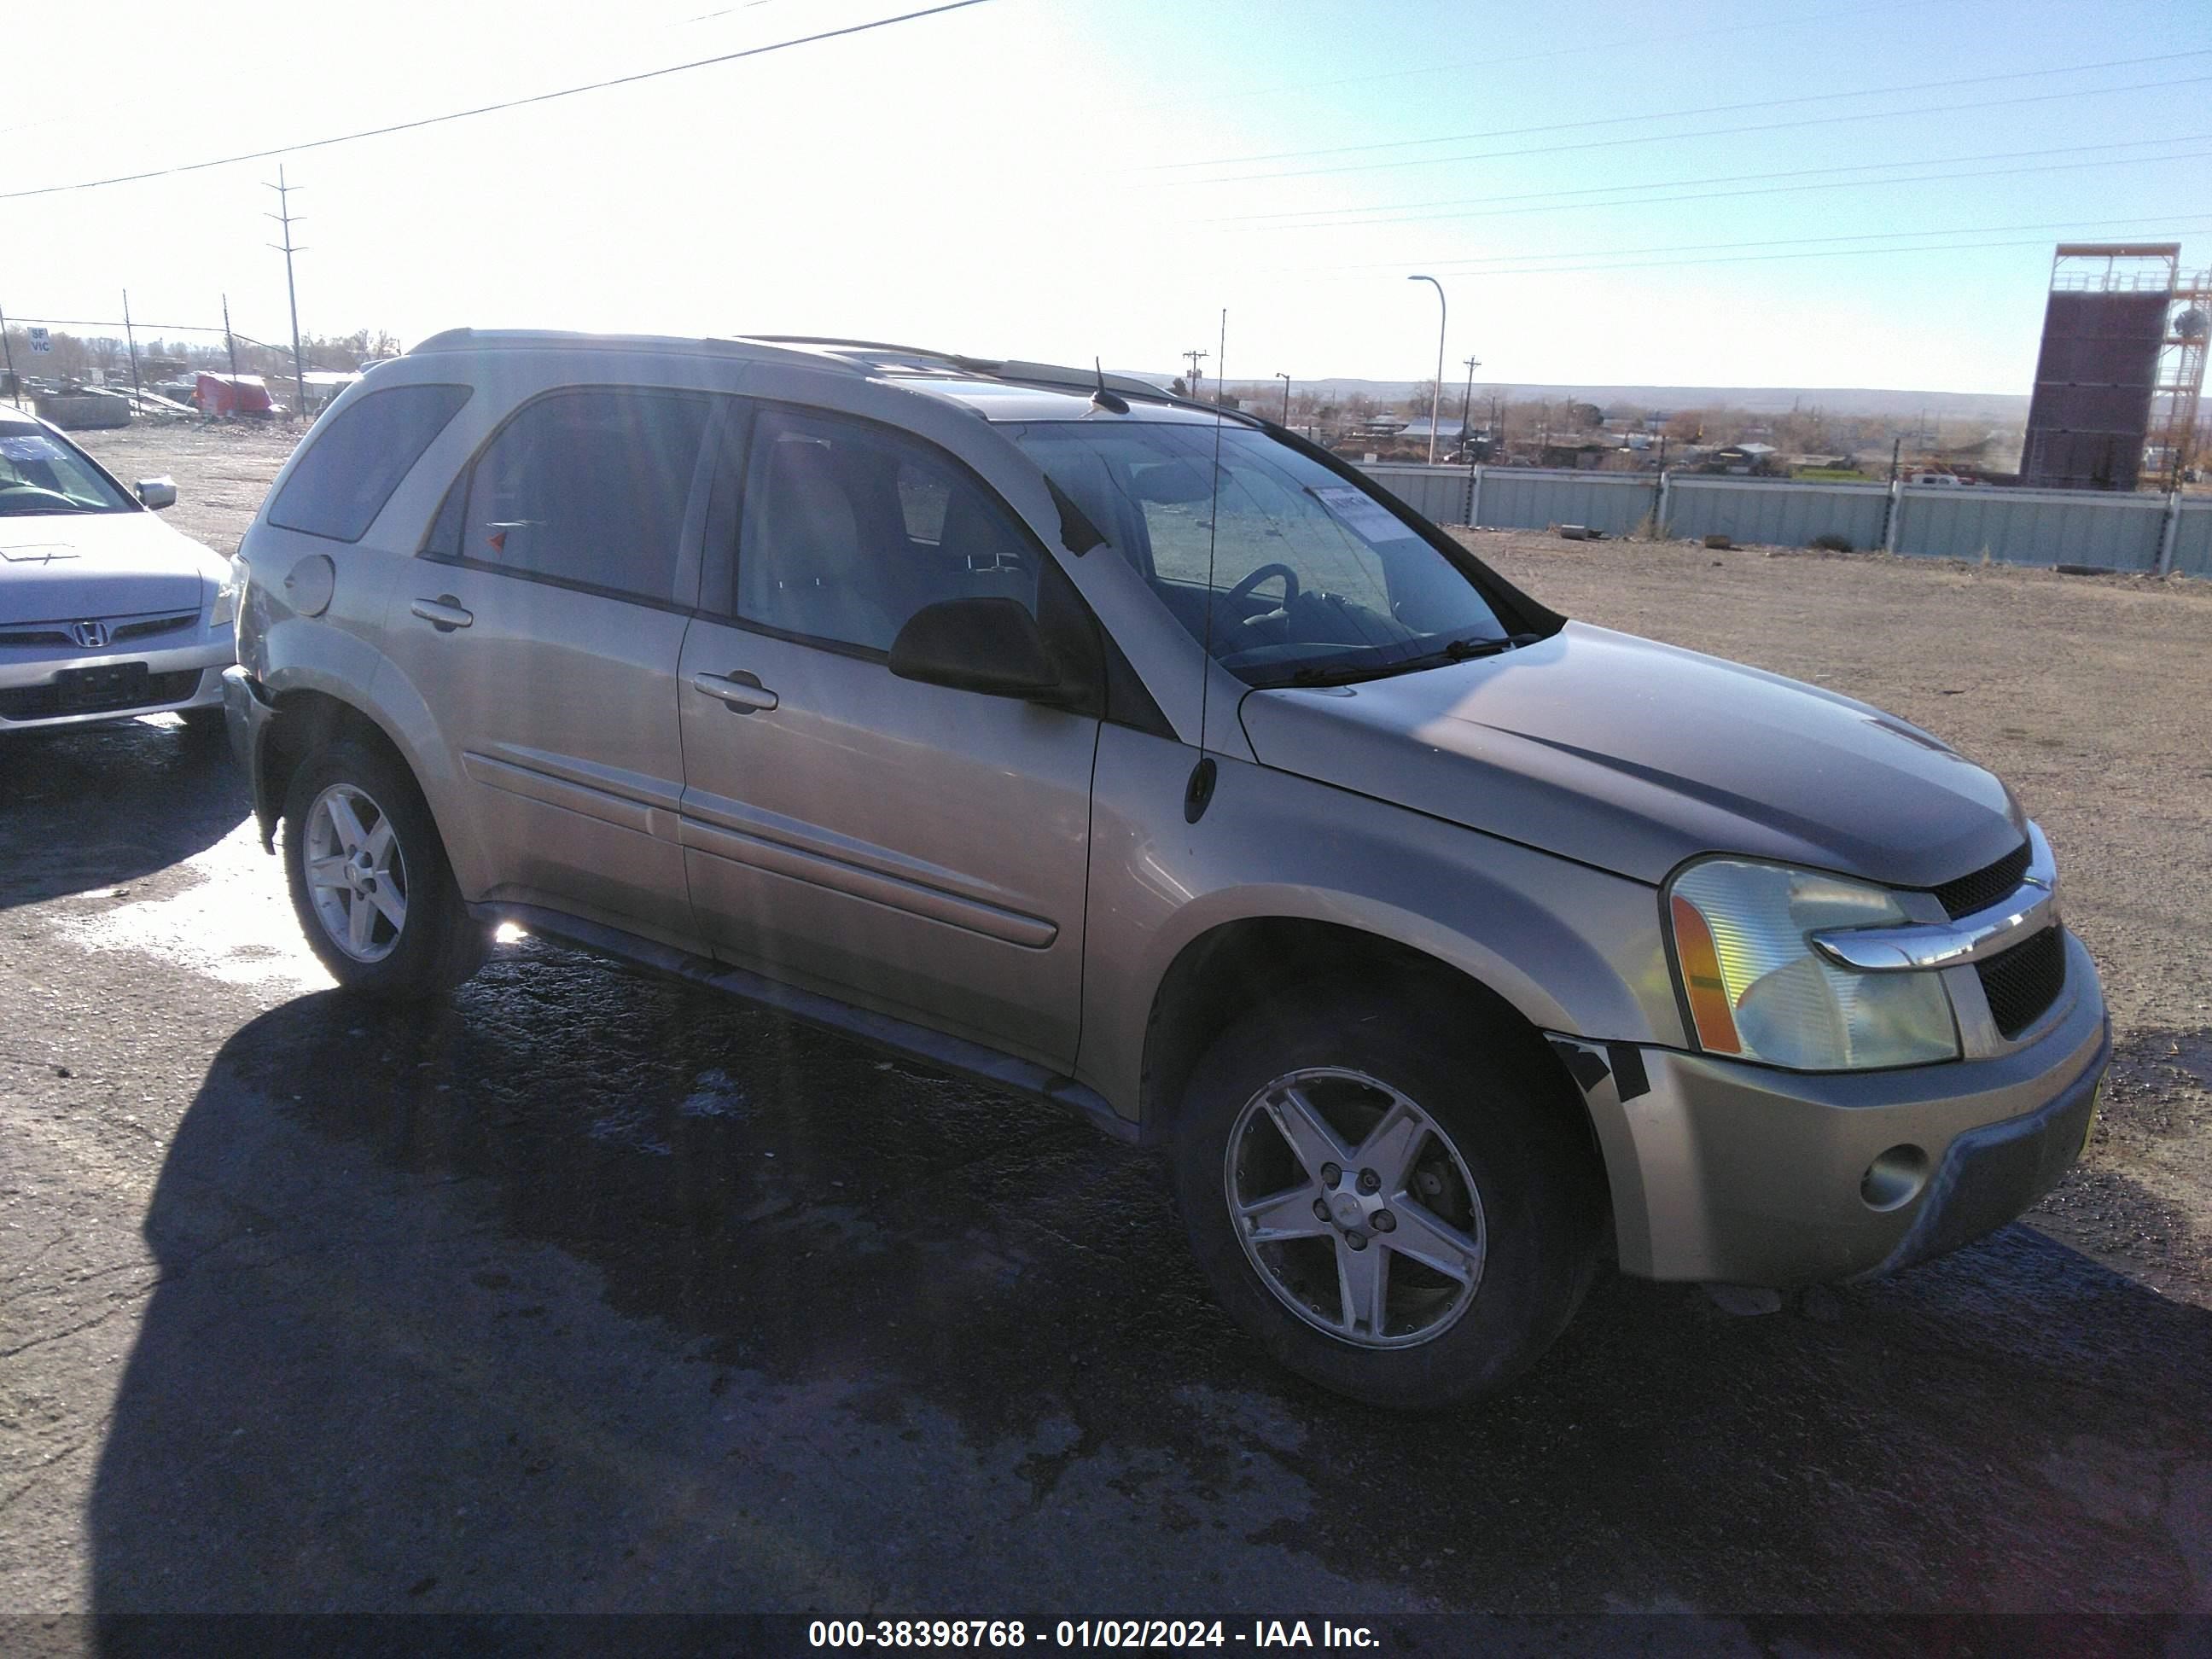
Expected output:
(2091, 696)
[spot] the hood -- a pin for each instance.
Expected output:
(70, 566)
(1633, 756)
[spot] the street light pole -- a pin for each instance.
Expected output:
(1437, 386)
(1285, 379)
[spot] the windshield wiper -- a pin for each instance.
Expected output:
(1454, 651)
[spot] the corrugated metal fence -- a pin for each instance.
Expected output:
(2103, 530)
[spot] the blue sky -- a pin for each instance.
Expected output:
(1609, 193)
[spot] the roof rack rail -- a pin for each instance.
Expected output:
(522, 339)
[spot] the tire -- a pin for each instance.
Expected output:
(1493, 1147)
(435, 946)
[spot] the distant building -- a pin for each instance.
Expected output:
(1756, 459)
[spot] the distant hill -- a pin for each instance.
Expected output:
(1994, 406)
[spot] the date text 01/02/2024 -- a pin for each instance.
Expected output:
(1084, 1633)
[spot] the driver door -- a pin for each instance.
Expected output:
(911, 849)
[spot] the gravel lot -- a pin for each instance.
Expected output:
(587, 1291)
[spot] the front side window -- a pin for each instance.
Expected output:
(354, 461)
(588, 486)
(1285, 569)
(40, 474)
(849, 528)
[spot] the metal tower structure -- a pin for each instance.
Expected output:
(2103, 328)
(2171, 438)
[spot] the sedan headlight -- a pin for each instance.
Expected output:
(1756, 987)
(226, 596)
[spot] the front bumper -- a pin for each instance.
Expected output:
(179, 676)
(1740, 1174)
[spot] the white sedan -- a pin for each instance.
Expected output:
(104, 611)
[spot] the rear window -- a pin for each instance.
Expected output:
(356, 461)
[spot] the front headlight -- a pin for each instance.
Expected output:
(1756, 988)
(226, 596)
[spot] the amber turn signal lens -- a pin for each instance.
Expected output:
(1702, 982)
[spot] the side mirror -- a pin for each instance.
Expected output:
(988, 645)
(158, 493)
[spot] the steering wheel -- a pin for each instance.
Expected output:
(30, 495)
(1243, 589)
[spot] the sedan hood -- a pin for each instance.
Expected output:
(1631, 755)
(69, 567)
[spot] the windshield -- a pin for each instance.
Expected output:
(1287, 572)
(40, 473)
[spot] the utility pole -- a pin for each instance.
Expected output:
(1467, 404)
(228, 338)
(285, 217)
(1285, 379)
(131, 345)
(1196, 358)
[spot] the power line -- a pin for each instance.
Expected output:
(1724, 195)
(1502, 264)
(1676, 114)
(491, 109)
(2165, 225)
(1327, 219)
(1708, 132)
(1276, 88)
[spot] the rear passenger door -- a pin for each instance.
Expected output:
(541, 624)
(912, 848)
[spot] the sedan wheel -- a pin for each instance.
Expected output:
(356, 872)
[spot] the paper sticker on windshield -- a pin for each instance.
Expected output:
(32, 446)
(1359, 510)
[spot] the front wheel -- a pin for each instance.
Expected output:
(369, 879)
(1390, 1193)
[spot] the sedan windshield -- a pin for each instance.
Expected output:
(38, 473)
(1286, 571)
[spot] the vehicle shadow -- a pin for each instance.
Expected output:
(92, 807)
(585, 1292)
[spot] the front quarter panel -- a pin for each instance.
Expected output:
(1575, 950)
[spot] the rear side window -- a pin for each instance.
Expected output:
(354, 462)
(589, 486)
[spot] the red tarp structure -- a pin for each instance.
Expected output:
(234, 394)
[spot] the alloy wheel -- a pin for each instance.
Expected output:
(1355, 1207)
(356, 873)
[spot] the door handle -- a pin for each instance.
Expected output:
(741, 691)
(443, 613)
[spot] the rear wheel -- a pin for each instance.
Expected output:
(1392, 1196)
(369, 879)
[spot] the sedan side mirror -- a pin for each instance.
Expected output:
(158, 493)
(988, 645)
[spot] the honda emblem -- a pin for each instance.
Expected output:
(91, 636)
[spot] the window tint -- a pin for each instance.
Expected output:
(40, 474)
(849, 530)
(589, 486)
(356, 460)
(1337, 581)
